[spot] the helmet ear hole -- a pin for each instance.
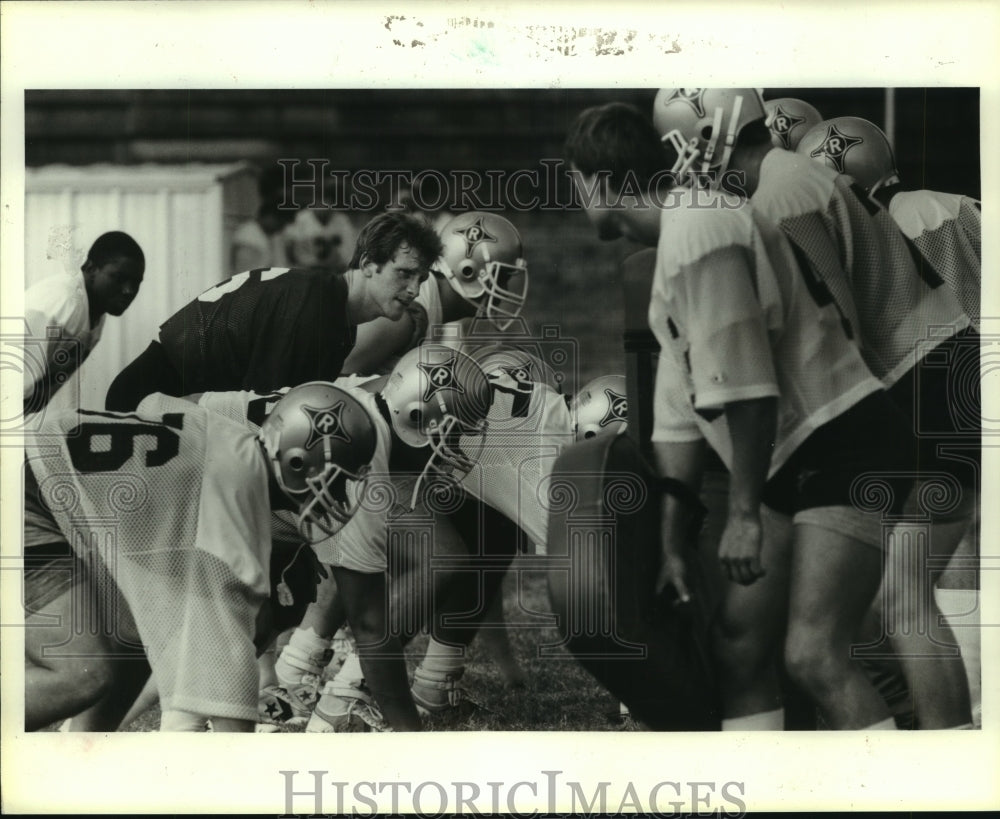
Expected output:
(296, 463)
(589, 434)
(467, 271)
(706, 132)
(416, 417)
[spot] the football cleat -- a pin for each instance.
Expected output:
(437, 691)
(289, 705)
(346, 709)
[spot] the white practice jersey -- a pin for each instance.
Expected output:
(740, 322)
(173, 501)
(900, 308)
(947, 230)
(529, 424)
(361, 543)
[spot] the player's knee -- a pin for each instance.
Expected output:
(810, 663)
(738, 650)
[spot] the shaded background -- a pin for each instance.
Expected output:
(574, 278)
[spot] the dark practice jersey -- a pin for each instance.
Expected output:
(262, 329)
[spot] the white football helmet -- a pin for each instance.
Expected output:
(789, 119)
(482, 261)
(853, 146)
(600, 407)
(435, 396)
(317, 438)
(702, 124)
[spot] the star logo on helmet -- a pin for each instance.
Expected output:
(782, 124)
(326, 422)
(692, 96)
(441, 377)
(617, 408)
(835, 146)
(475, 234)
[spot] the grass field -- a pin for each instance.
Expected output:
(559, 695)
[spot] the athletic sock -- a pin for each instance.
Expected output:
(443, 658)
(350, 672)
(761, 721)
(306, 653)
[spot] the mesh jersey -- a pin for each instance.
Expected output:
(742, 323)
(527, 429)
(898, 305)
(947, 230)
(261, 330)
(172, 502)
(361, 543)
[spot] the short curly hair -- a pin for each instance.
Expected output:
(382, 236)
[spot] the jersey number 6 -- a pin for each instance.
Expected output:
(119, 434)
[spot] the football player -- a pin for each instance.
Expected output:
(855, 262)
(527, 425)
(731, 316)
(427, 413)
(942, 394)
(789, 120)
(481, 272)
(945, 227)
(65, 313)
(158, 522)
(268, 328)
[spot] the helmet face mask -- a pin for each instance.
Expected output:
(704, 124)
(482, 261)
(437, 396)
(319, 441)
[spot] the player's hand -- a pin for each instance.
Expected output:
(672, 569)
(739, 548)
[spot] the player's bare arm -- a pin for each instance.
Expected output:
(681, 463)
(752, 427)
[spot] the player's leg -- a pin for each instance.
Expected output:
(747, 636)
(150, 372)
(365, 597)
(67, 650)
(834, 578)
(921, 636)
(302, 662)
(941, 398)
(479, 545)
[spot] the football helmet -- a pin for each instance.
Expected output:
(437, 395)
(600, 407)
(482, 261)
(789, 120)
(703, 124)
(855, 147)
(317, 439)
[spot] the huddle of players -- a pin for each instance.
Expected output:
(793, 328)
(829, 358)
(205, 559)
